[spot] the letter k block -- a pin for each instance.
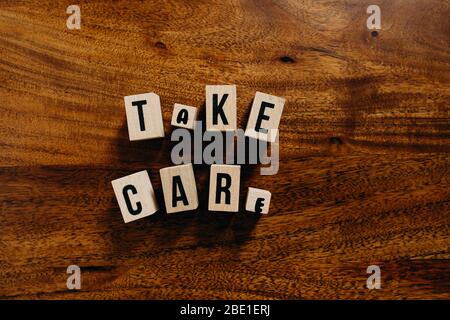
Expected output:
(221, 108)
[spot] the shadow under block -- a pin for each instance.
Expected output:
(135, 196)
(265, 117)
(258, 200)
(224, 185)
(221, 108)
(144, 116)
(179, 188)
(184, 116)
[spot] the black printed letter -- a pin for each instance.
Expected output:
(259, 205)
(176, 182)
(139, 105)
(133, 190)
(226, 188)
(183, 116)
(262, 116)
(218, 108)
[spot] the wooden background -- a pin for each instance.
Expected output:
(364, 176)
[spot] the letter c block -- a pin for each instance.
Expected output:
(135, 196)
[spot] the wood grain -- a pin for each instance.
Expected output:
(364, 147)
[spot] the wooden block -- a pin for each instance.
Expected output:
(135, 196)
(144, 117)
(179, 188)
(258, 200)
(264, 116)
(224, 184)
(221, 108)
(184, 116)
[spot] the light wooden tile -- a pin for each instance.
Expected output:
(184, 116)
(179, 188)
(144, 117)
(258, 200)
(224, 188)
(135, 196)
(221, 107)
(264, 116)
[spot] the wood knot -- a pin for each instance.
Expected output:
(336, 140)
(160, 45)
(287, 59)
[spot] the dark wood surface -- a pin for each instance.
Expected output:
(364, 147)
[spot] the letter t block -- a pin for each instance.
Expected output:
(144, 117)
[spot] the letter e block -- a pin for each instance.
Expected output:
(264, 117)
(224, 188)
(184, 116)
(144, 117)
(221, 108)
(179, 188)
(135, 196)
(258, 200)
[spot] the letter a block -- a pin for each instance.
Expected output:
(135, 196)
(264, 117)
(144, 117)
(221, 108)
(180, 191)
(224, 184)
(258, 200)
(184, 116)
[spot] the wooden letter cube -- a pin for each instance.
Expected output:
(258, 200)
(135, 196)
(184, 116)
(179, 188)
(264, 117)
(221, 108)
(224, 188)
(144, 117)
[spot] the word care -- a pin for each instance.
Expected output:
(135, 194)
(137, 199)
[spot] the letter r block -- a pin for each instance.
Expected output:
(144, 117)
(258, 200)
(179, 188)
(221, 108)
(135, 196)
(264, 117)
(224, 184)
